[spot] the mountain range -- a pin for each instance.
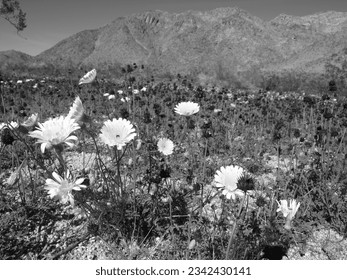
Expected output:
(223, 42)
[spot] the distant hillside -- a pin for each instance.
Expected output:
(10, 58)
(217, 44)
(71, 51)
(312, 40)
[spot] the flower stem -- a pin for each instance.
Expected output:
(234, 227)
(203, 177)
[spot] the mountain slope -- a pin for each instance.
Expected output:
(72, 50)
(190, 41)
(12, 57)
(311, 39)
(224, 41)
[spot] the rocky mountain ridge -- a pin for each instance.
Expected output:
(223, 41)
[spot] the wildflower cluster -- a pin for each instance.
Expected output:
(169, 164)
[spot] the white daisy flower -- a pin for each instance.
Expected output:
(28, 124)
(77, 110)
(117, 132)
(31, 121)
(126, 99)
(165, 146)
(227, 178)
(288, 212)
(187, 108)
(88, 78)
(55, 132)
(61, 188)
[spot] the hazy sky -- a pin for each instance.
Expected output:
(50, 21)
